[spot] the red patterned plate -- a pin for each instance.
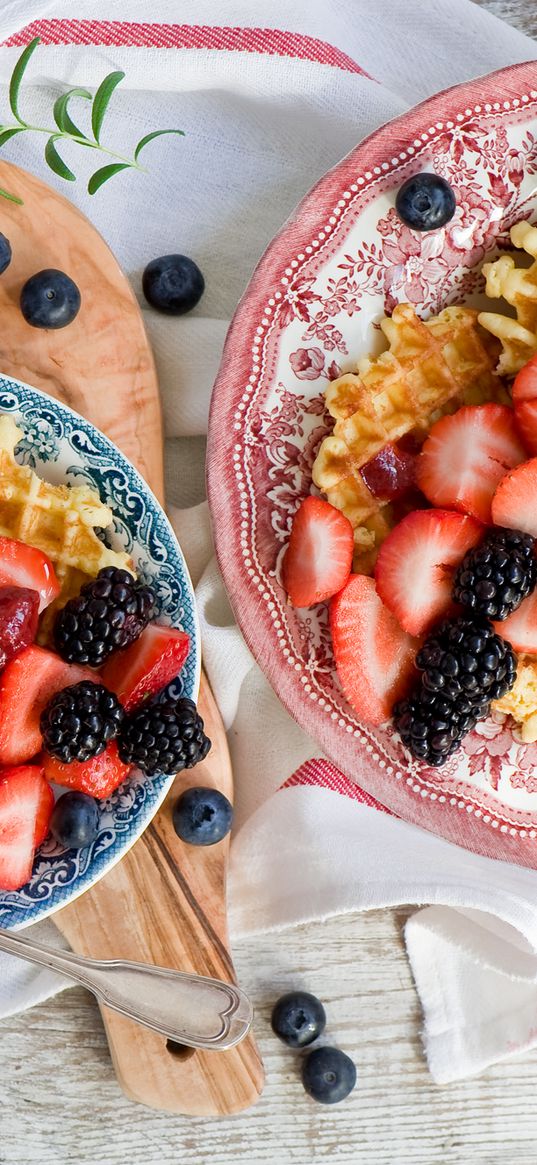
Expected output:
(310, 311)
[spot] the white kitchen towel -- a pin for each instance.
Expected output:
(270, 96)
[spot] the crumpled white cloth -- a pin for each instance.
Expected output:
(266, 113)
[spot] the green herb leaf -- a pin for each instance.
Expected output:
(157, 133)
(9, 132)
(61, 113)
(101, 176)
(11, 197)
(56, 163)
(101, 101)
(17, 75)
(67, 129)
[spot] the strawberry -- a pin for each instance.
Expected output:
(26, 804)
(147, 666)
(26, 686)
(318, 559)
(515, 502)
(466, 455)
(98, 776)
(374, 657)
(415, 566)
(25, 566)
(525, 404)
(46, 807)
(520, 628)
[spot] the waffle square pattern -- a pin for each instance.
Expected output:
(430, 368)
(59, 520)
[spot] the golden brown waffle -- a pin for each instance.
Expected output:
(518, 286)
(59, 520)
(429, 369)
(520, 701)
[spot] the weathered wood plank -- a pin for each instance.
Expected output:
(60, 1101)
(522, 14)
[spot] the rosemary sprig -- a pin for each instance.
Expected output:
(65, 129)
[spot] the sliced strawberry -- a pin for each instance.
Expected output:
(98, 777)
(147, 666)
(415, 566)
(466, 455)
(318, 559)
(25, 566)
(525, 404)
(26, 686)
(374, 657)
(520, 628)
(515, 502)
(44, 814)
(26, 803)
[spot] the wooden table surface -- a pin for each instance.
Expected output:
(60, 1103)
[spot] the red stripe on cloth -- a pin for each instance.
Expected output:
(266, 41)
(325, 775)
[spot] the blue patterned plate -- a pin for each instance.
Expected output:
(63, 447)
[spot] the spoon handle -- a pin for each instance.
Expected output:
(188, 1009)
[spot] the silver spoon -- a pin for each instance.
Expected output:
(188, 1009)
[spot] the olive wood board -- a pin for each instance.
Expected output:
(164, 902)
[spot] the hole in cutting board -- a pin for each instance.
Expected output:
(179, 1051)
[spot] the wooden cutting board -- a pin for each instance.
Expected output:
(165, 901)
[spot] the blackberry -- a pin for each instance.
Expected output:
(464, 666)
(110, 612)
(79, 721)
(495, 576)
(465, 657)
(164, 737)
(432, 728)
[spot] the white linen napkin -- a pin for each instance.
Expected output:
(270, 98)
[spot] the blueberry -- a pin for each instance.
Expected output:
(50, 299)
(173, 284)
(328, 1075)
(202, 816)
(75, 820)
(425, 202)
(298, 1018)
(5, 253)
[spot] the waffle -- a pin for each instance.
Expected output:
(518, 286)
(429, 369)
(59, 520)
(520, 701)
